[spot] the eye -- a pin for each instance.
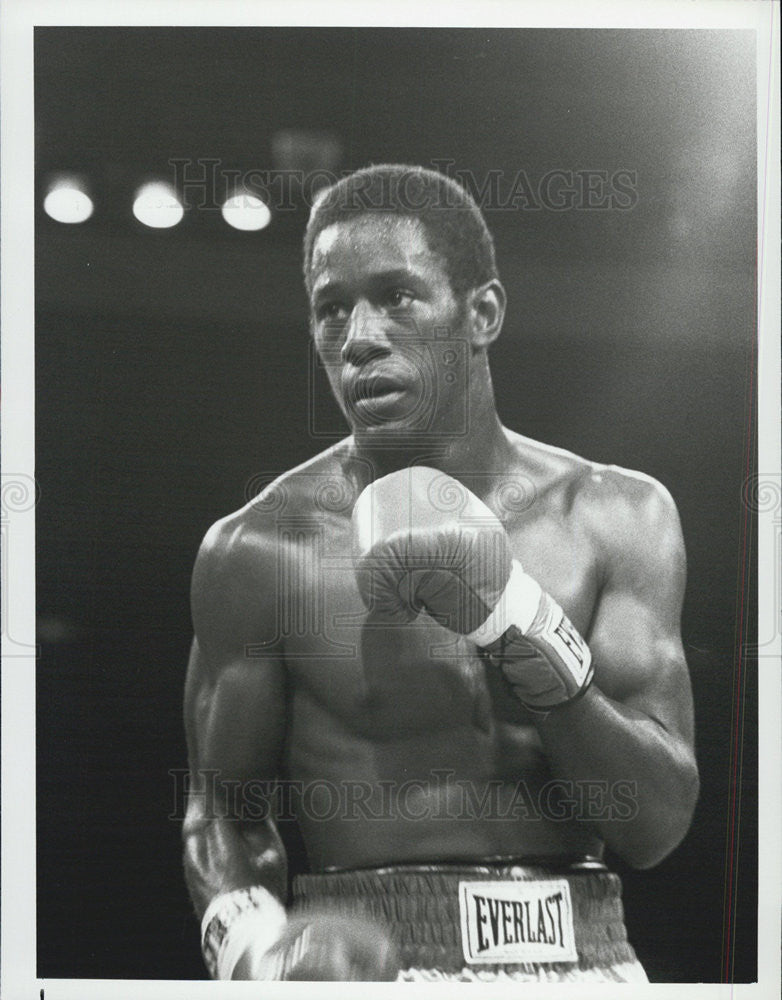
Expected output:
(398, 298)
(331, 311)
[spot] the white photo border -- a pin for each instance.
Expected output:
(17, 21)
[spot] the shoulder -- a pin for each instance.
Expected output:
(304, 490)
(621, 510)
(235, 575)
(597, 491)
(624, 501)
(252, 529)
(634, 523)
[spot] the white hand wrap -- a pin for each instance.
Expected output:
(517, 606)
(236, 920)
(541, 653)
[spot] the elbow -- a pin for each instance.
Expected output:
(649, 854)
(195, 835)
(671, 824)
(645, 856)
(692, 783)
(194, 825)
(683, 812)
(193, 848)
(198, 862)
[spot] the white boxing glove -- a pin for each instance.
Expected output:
(246, 934)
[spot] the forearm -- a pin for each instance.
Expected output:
(222, 854)
(596, 739)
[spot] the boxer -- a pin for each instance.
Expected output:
(443, 634)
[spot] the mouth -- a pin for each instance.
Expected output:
(377, 397)
(375, 388)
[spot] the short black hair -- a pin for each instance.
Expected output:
(454, 226)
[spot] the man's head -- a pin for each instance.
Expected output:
(404, 297)
(454, 226)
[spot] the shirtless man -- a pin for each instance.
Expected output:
(461, 646)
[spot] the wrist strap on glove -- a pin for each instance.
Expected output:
(540, 652)
(233, 921)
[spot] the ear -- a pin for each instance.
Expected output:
(487, 311)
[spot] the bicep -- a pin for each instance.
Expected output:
(235, 688)
(636, 631)
(234, 716)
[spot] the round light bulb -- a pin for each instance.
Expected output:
(247, 212)
(67, 203)
(157, 205)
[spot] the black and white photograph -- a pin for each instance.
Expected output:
(391, 503)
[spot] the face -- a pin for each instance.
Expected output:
(388, 327)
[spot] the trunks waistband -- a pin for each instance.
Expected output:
(423, 908)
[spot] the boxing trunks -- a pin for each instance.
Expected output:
(487, 922)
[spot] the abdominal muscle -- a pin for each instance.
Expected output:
(406, 747)
(455, 794)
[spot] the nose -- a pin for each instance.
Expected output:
(365, 336)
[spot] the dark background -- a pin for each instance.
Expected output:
(172, 370)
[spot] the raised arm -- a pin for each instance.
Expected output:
(615, 711)
(635, 723)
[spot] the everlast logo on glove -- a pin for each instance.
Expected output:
(572, 649)
(517, 922)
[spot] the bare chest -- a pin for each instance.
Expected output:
(406, 678)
